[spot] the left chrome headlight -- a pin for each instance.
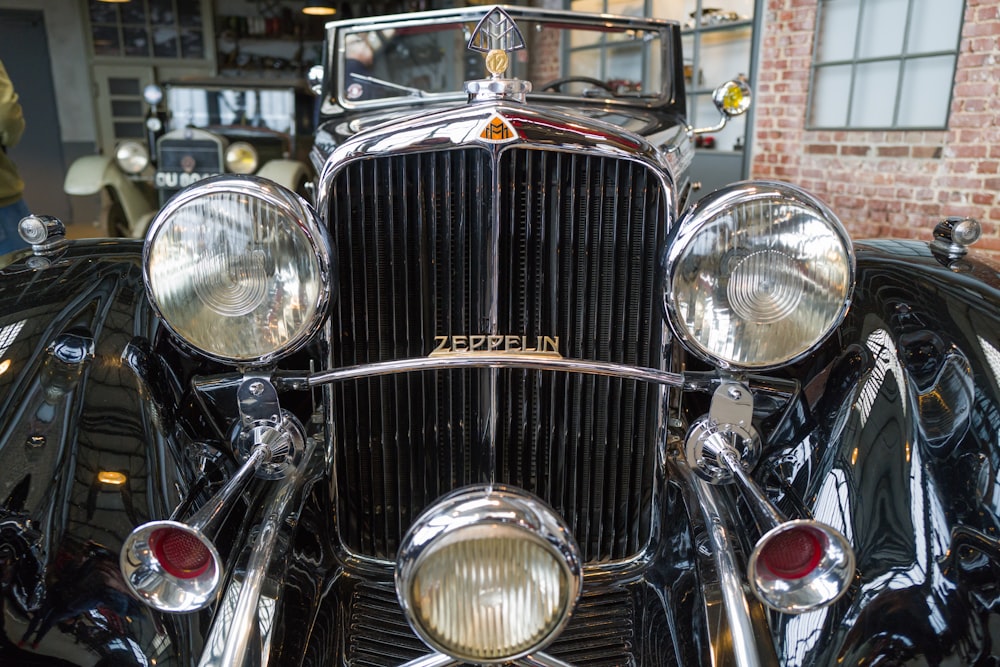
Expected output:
(239, 268)
(131, 156)
(758, 275)
(488, 575)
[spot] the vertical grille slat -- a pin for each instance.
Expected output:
(579, 241)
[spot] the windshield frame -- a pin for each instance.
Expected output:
(335, 98)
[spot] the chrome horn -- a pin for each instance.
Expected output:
(174, 566)
(796, 566)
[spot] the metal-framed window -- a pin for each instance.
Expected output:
(884, 64)
(169, 29)
(627, 62)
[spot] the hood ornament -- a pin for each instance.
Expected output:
(497, 36)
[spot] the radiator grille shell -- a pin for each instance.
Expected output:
(477, 241)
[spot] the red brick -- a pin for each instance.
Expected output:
(893, 151)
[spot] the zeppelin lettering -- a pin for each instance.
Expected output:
(492, 344)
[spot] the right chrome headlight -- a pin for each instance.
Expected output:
(131, 156)
(241, 158)
(758, 275)
(239, 268)
(488, 575)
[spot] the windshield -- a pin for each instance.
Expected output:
(595, 60)
(273, 109)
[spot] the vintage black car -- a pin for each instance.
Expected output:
(506, 395)
(196, 129)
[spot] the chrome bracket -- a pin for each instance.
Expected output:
(263, 422)
(725, 433)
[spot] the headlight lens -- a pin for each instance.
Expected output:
(488, 575)
(238, 267)
(758, 275)
(131, 156)
(241, 158)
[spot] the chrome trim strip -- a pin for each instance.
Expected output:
(541, 660)
(432, 660)
(479, 360)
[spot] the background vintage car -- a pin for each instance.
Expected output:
(504, 395)
(197, 129)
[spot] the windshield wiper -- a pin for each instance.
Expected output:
(414, 92)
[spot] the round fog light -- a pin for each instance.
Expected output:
(488, 575)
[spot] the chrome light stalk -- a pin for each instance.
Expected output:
(173, 566)
(796, 566)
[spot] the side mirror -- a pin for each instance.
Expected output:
(732, 99)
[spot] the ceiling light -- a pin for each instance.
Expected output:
(319, 8)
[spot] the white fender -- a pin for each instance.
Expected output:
(90, 174)
(289, 173)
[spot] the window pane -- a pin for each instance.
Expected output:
(136, 41)
(122, 86)
(133, 12)
(831, 91)
(882, 25)
(161, 11)
(126, 130)
(192, 43)
(874, 94)
(165, 42)
(838, 25)
(188, 12)
(102, 12)
(719, 50)
(126, 108)
(106, 40)
(935, 25)
(924, 96)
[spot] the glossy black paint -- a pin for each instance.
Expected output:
(83, 392)
(903, 457)
(893, 440)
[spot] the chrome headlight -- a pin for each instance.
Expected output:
(488, 575)
(241, 158)
(758, 274)
(239, 268)
(131, 156)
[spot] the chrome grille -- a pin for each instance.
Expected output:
(427, 247)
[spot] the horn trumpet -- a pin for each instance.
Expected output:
(174, 566)
(797, 565)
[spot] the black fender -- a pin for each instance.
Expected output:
(902, 454)
(90, 446)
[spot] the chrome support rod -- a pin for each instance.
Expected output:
(218, 507)
(730, 579)
(485, 360)
(237, 630)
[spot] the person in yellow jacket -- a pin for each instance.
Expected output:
(12, 206)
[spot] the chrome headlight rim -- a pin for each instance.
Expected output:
(474, 508)
(234, 163)
(131, 156)
(715, 204)
(297, 209)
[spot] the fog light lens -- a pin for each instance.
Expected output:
(488, 575)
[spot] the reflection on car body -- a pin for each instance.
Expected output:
(503, 393)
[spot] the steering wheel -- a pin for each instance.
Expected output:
(556, 84)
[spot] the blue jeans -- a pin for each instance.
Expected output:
(9, 217)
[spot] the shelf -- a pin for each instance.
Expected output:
(717, 27)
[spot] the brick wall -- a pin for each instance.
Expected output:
(884, 183)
